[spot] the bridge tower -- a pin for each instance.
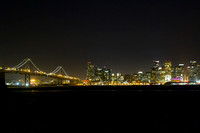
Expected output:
(60, 81)
(27, 65)
(27, 75)
(60, 71)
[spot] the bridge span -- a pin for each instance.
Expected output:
(28, 69)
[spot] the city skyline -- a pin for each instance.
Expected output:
(100, 66)
(159, 63)
(123, 35)
(158, 74)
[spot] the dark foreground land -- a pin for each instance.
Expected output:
(133, 109)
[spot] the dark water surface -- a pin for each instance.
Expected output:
(101, 109)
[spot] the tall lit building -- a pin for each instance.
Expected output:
(148, 75)
(156, 64)
(154, 72)
(167, 67)
(128, 78)
(107, 75)
(192, 71)
(113, 79)
(198, 73)
(120, 78)
(97, 75)
(135, 77)
(161, 75)
(140, 76)
(178, 73)
(90, 71)
(181, 72)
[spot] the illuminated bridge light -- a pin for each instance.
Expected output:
(27, 72)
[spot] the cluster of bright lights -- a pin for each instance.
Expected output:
(27, 84)
(198, 81)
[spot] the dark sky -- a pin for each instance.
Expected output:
(125, 35)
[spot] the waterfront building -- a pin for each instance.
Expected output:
(179, 72)
(128, 78)
(140, 76)
(148, 77)
(90, 71)
(96, 75)
(113, 79)
(154, 72)
(120, 78)
(192, 71)
(106, 76)
(198, 73)
(161, 75)
(135, 78)
(167, 67)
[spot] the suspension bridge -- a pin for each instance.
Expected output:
(28, 69)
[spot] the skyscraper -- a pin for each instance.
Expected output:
(154, 72)
(167, 67)
(97, 75)
(120, 78)
(192, 71)
(107, 75)
(198, 73)
(128, 78)
(156, 64)
(161, 75)
(90, 71)
(140, 76)
(148, 75)
(178, 73)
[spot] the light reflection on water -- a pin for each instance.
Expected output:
(60, 91)
(117, 89)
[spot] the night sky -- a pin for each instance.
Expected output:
(125, 35)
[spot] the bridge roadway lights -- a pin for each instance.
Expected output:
(74, 82)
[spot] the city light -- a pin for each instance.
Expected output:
(158, 74)
(140, 72)
(32, 80)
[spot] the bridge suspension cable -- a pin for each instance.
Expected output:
(25, 61)
(64, 71)
(35, 65)
(58, 69)
(21, 64)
